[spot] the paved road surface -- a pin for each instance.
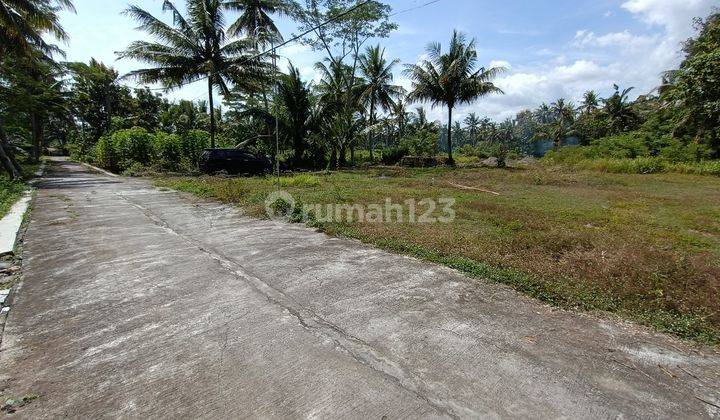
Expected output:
(138, 302)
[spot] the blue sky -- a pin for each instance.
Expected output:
(553, 49)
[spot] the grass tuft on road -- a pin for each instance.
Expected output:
(645, 247)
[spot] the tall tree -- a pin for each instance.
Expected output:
(543, 114)
(376, 88)
(472, 124)
(400, 115)
(560, 122)
(343, 39)
(195, 48)
(97, 96)
(340, 107)
(23, 24)
(451, 78)
(698, 84)
(296, 105)
(590, 102)
(619, 110)
(255, 21)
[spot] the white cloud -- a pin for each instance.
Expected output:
(499, 63)
(623, 39)
(674, 15)
(594, 61)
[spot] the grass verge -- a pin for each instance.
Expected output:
(645, 247)
(11, 191)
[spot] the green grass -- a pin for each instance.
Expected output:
(643, 165)
(645, 247)
(11, 191)
(302, 180)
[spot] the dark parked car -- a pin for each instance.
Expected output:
(234, 161)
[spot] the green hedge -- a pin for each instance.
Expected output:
(136, 147)
(632, 145)
(637, 152)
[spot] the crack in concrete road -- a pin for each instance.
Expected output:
(361, 351)
(152, 303)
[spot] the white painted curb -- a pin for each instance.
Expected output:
(10, 224)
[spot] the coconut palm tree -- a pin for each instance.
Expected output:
(24, 22)
(543, 114)
(563, 110)
(255, 21)
(401, 115)
(23, 25)
(590, 102)
(377, 90)
(297, 119)
(339, 109)
(194, 48)
(560, 126)
(451, 78)
(622, 116)
(472, 124)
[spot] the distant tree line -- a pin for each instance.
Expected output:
(356, 105)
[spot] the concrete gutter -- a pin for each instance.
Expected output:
(102, 171)
(10, 224)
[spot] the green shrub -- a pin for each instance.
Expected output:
(622, 146)
(124, 149)
(642, 165)
(699, 168)
(423, 142)
(135, 169)
(677, 152)
(105, 155)
(192, 145)
(392, 155)
(569, 155)
(167, 151)
(132, 145)
(482, 150)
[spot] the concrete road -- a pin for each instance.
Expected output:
(137, 302)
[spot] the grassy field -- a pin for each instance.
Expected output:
(645, 247)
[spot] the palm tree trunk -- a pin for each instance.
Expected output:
(36, 136)
(299, 149)
(342, 156)
(371, 140)
(212, 113)
(332, 164)
(450, 156)
(6, 159)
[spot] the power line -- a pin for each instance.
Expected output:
(297, 37)
(410, 9)
(273, 49)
